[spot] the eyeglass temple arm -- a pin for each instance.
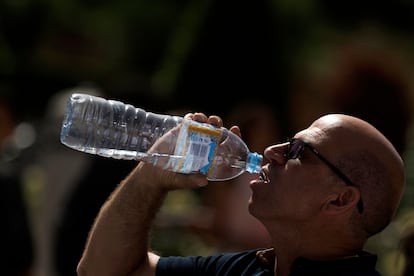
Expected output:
(360, 204)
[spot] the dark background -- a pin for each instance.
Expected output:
(298, 58)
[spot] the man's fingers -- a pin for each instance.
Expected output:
(236, 130)
(215, 121)
(202, 118)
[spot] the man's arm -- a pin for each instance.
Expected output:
(118, 241)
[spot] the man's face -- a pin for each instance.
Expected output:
(297, 187)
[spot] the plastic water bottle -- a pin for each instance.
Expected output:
(114, 129)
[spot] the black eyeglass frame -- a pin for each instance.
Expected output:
(338, 172)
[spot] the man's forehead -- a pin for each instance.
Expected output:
(321, 129)
(312, 134)
(330, 121)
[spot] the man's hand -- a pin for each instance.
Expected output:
(171, 180)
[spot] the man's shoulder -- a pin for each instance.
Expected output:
(227, 263)
(359, 264)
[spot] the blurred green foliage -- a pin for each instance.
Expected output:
(171, 55)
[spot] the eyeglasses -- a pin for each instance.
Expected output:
(294, 151)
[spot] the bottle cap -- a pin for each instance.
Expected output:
(254, 163)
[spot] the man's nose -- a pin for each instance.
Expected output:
(277, 153)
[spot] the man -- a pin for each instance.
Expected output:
(321, 196)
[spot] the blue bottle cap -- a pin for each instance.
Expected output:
(254, 163)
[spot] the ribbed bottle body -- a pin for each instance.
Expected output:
(111, 128)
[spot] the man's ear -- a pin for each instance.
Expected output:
(342, 201)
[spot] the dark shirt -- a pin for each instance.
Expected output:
(261, 262)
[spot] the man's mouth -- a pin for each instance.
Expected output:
(264, 177)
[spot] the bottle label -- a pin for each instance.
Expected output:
(197, 143)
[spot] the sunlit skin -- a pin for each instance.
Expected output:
(308, 210)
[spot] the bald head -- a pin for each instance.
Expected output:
(369, 160)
